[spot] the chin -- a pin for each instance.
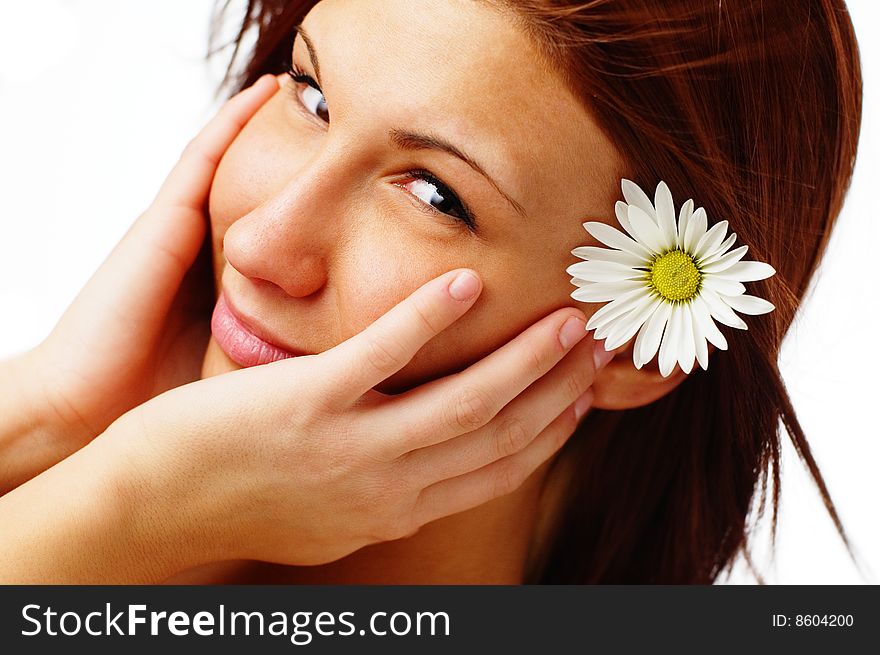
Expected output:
(216, 361)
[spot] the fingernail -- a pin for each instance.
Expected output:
(464, 286)
(601, 357)
(572, 331)
(582, 404)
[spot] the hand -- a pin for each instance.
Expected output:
(141, 324)
(301, 461)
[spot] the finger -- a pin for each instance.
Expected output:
(463, 402)
(188, 184)
(133, 289)
(496, 479)
(512, 429)
(360, 363)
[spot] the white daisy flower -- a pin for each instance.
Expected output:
(666, 280)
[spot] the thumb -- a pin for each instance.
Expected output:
(358, 364)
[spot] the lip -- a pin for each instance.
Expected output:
(237, 339)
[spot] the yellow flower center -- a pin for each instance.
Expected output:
(675, 276)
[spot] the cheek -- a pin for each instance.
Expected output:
(381, 267)
(509, 303)
(250, 171)
(380, 273)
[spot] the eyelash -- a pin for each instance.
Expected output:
(466, 217)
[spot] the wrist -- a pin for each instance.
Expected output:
(165, 479)
(29, 435)
(91, 520)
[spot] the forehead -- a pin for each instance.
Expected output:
(463, 70)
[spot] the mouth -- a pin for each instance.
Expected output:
(238, 339)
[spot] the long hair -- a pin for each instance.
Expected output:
(751, 108)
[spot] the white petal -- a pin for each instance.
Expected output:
(696, 228)
(711, 240)
(635, 196)
(596, 271)
(700, 310)
(637, 345)
(665, 210)
(603, 291)
(720, 310)
(718, 253)
(628, 325)
(580, 283)
(616, 308)
(684, 217)
(701, 350)
(646, 230)
(724, 262)
(686, 348)
(653, 332)
(722, 285)
(604, 330)
(620, 212)
(749, 304)
(748, 271)
(614, 238)
(608, 255)
(669, 345)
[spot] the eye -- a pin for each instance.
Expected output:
(437, 197)
(312, 98)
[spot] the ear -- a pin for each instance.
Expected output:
(620, 385)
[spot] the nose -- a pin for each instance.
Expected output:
(289, 239)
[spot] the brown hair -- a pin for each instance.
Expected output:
(752, 108)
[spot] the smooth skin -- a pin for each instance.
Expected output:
(316, 234)
(172, 484)
(317, 230)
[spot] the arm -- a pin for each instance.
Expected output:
(29, 441)
(104, 515)
(302, 461)
(111, 350)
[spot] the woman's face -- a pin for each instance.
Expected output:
(323, 217)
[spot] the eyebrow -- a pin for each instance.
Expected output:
(409, 140)
(301, 31)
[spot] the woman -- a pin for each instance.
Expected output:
(316, 233)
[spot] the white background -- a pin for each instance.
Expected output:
(98, 97)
